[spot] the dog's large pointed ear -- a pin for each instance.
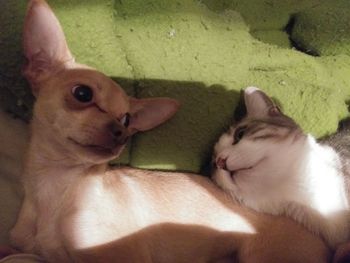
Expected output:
(149, 113)
(44, 44)
(258, 104)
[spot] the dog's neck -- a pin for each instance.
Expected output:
(48, 159)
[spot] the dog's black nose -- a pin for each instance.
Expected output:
(118, 132)
(116, 129)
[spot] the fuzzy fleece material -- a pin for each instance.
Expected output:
(201, 52)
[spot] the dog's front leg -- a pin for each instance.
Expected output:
(23, 233)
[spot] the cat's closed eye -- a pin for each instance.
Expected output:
(238, 135)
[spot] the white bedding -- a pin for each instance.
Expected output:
(22, 258)
(13, 139)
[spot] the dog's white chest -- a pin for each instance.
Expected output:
(94, 217)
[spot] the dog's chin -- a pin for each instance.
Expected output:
(96, 153)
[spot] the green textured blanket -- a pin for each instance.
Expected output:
(201, 52)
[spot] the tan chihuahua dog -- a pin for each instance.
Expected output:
(76, 210)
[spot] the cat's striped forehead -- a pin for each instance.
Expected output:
(268, 128)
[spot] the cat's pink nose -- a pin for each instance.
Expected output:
(221, 163)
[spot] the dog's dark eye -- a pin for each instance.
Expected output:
(82, 93)
(125, 121)
(239, 133)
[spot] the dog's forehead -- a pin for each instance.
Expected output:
(89, 77)
(107, 93)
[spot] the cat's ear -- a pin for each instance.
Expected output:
(44, 43)
(149, 113)
(258, 104)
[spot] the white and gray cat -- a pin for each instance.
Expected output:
(266, 162)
